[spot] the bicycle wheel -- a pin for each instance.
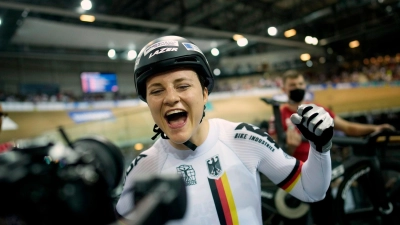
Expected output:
(279, 207)
(353, 203)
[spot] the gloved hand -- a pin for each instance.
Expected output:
(316, 125)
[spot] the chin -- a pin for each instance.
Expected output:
(179, 137)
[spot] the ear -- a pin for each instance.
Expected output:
(205, 95)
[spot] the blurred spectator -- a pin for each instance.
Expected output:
(389, 72)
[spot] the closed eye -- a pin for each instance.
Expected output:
(183, 87)
(154, 92)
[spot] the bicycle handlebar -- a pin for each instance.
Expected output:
(349, 141)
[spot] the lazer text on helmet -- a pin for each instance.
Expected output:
(162, 51)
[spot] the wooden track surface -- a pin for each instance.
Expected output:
(135, 124)
(359, 99)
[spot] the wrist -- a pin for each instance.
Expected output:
(321, 149)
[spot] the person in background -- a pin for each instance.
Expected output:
(7, 145)
(220, 161)
(294, 86)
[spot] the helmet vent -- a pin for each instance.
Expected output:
(186, 59)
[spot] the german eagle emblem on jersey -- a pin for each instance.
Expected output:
(214, 166)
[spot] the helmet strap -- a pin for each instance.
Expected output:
(204, 113)
(188, 143)
(158, 131)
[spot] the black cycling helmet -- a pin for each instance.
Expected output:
(167, 53)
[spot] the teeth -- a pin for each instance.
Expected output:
(175, 111)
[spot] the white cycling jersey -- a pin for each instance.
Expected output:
(222, 174)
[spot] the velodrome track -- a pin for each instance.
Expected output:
(134, 124)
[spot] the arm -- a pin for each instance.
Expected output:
(306, 181)
(316, 125)
(358, 129)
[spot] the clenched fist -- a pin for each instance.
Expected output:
(316, 125)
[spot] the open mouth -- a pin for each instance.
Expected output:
(176, 118)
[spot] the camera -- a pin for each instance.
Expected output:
(59, 184)
(75, 184)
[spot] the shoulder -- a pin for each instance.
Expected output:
(148, 161)
(243, 134)
(285, 109)
(223, 124)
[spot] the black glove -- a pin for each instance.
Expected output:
(316, 125)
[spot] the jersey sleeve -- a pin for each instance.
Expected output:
(307, 181)
(144, 164)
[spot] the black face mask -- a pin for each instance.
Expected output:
(297, 95)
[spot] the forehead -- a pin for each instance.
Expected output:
(298, 79)
(172, 75)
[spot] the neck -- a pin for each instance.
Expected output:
(197, 138)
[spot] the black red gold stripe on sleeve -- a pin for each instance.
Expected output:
(294, 176)
(224, 201)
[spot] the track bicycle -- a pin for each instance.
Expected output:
(365, 186)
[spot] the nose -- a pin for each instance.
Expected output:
(171, 97)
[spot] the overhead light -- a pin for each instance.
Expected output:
(131, 55)
(214, 51)
(308, 39)
(290, 33)
(217, 72)
(314, 41)
(311, 40)
(236, 37)
(354, 44)
(323, 42)
(0, 21)
(309, 63)
(272, 31)
(305, 57)
(86, 4)
(87, 18)
(322, 60)
(242, 42)
(111, 53)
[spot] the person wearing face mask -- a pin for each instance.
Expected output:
(220, 161)
(294, 86)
